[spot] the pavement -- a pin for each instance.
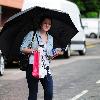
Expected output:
(90, 41)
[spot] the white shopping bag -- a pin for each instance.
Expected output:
(43, 64)
(40, 64)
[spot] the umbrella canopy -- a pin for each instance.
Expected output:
(14, 30)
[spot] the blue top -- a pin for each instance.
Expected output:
(47, 49)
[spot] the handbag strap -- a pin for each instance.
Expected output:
(36, 38)
(33, 38)
(41, 45)
(33, 35)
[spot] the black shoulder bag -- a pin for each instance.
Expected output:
(24, 58)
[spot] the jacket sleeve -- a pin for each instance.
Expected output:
(27, 40)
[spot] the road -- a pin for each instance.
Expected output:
(77, 78)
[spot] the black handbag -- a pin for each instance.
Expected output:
(24, 58)
(23, 63)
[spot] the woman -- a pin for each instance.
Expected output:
(41, 37)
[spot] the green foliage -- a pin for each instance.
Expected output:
(80, 5)
(92, 14)
(88, 8)
(91, 5)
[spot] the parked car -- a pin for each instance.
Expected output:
(91, 25)
(2, 65)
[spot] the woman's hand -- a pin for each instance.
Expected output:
(57, 53)
(28, 50)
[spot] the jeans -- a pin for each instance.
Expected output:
(46, 82)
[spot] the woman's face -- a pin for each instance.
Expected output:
(46, 24)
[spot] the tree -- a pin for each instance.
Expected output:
(92, 6)
(88, 7)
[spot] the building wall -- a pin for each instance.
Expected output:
(9, 8)
(8, 12)
(12, 3)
